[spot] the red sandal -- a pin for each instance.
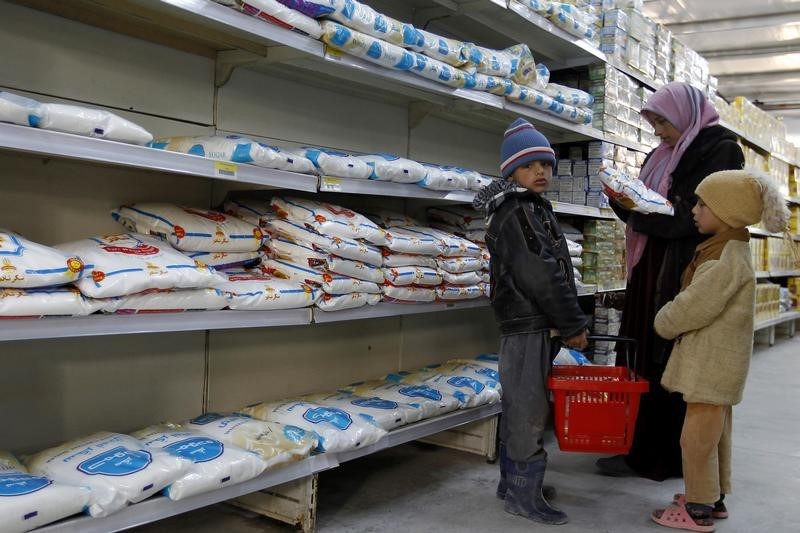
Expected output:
(677, 517)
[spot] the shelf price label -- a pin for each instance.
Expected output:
(225, 170)
(330, 184)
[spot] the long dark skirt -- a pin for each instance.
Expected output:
(656, 450)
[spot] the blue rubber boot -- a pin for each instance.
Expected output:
(548, 491)
(524, 493)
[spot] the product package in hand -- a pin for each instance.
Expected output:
(632, 194)
(568, 357)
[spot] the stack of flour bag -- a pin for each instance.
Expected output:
(103, 472)
(355, 28)
(278, 253)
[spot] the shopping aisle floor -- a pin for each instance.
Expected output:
(417, 488)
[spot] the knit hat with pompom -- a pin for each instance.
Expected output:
(740, 198)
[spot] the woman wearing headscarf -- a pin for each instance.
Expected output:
(658, 249)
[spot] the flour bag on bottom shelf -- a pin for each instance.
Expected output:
(471, 386)
(428, 400)
(275, 443)
(28, 501)
(117, 468)
(215, 464)
(338, 430)
(388, 414)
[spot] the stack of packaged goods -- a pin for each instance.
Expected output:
(607, 321)
(574, 239)
(780, 253)
(603, 252)
(577, 17)
(572, 185)
(787, 304)
(793, 284)
(758, 251)
(664, 57)
(794, 219)
(760, 126)
(779, 171)
(328, 247)
(768, 304)
(618, 102)
(689, 66)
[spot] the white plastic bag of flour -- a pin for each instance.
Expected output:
(302, 254)
(401, 260)
(329, 282)
(340, 302)
(236, 149)
(458, 292)
(47, 301)
(464, 217)
(355, 269)
(117, 468)
(409, 240)
(214, 463)
(408, 294)
(500, 63)
(412, 275)
(338, 430)
(463, 382)
(117, 265)
(463, 278)
(222, 260)
(459, 265)
(387, 219)
(366, 47)
(440, 179)
(340, 246)
(167, 300)
(329, 219)
(275, 443)
(451, 51)
(29, 501)
(481, 378)
(190, 229)
(492, 84)
(92, 123)
(387, 167)
(365, 19)
(569, 95)
(25, 264)
(253, 211)
(20, 110)
(339, 164)
(440, 72)
(387, 414)
(428, 400)
(632, 193)
(258, 291)
(276, 13)
(449, 244)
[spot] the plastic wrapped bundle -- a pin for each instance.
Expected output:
(363, 18)
(20, 110)
(25, 264)
(387, 167)
(461, 278)
(221, 260)
(430, 401)
(442, 179)
(408, 294)
(340, 302)
(449, 293)
(568, 18)
(387, 414)
(330, 283)
(258, 291)
(441, 72)
(450, 51)
(339, 164)
(633, 193)
(91, 123)
(276, 13)
(312, 8)
(236, 149)
(366, 47)
(408, 240)
(578, 115)
(500, 63)
(47, 301)
(339, 246)
(256, 212)
(492, 84)
(449, 244)
(391, 259)
(482, 181)
(536, 99)
(167, 300)
(569, 95)
(328, 219)
(388, 219)
(413, 275)
(460, 216)
(459, 265)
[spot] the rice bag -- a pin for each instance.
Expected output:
(387, 167)
(451, 245)
(256, 212)
(354, 269)
(167, 300)
(458, 292)
(329, 282)
(388, 219)
(339, 164)
(363, 18)
(258, 291)
(427, 400)
(536, 99)
(500, 63)
(486, 375)
(457, 215)
(487, 289)
(26, 264)
(571, 19)
(366, 47)
(28, 501)
(275, 443)
(214, 464)
(401, 240)
(569, 95)
(463, 278)
(190, 229)
(312, 8)
(222, 260)
(17, 109)
(328, 219)
(338, 430)
(339, 246)
(237, 149)
(412, 275)
(339, 302)
(440, 179)
(129, 263)
(476, 236)
(91, 123)
(47, 301)
(470, 385)
(458, 265)
(439, 71)
(387, 414)
(492, 84)
(117, 468)
(277, 13)
(402, 260)
(301, 254)
(632, 193)
(450, 51)
(408, 294)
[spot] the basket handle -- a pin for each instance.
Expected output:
(615, 338)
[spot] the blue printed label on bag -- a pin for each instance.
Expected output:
(117, 462)
(421, 391)
(374, 403)
(207, 418)
(294, 433)
(490, 373)
(336, 417)
(197, 449)
(463, 381)
(19, 484)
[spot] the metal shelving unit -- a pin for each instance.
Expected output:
(160, 507)
(789, 316)
(385, 309)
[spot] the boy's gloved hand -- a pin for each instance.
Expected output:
(578, 342)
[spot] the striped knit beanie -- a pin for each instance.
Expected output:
(521, 145)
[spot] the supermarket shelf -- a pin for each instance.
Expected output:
(762, 232)
(386, 309)
(784, 273)
(583, 211)
(794, 200)
(762, 274)
(612, 286)
(387, 188)
(56, 144)
(616, 139)
(96, 325)
(780, 319)
(159, 507)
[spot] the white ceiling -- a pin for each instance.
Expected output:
(753, 47)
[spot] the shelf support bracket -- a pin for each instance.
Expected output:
(417, 112)
(229, 60)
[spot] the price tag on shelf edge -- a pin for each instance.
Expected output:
(226, 170)
(330, 184)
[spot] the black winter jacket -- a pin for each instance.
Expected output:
(533, 288)
(714, 149)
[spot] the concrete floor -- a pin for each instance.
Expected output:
(420, 488)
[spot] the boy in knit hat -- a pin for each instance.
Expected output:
(712, 320)
(533, 292)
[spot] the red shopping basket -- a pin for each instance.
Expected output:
(596, 406)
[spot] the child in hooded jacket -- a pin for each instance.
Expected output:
(712, 320)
